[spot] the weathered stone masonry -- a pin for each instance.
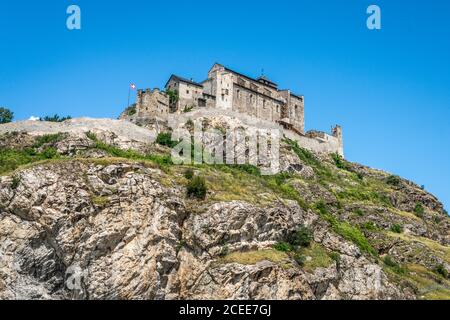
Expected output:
(228, 90)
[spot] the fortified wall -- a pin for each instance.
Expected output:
(229, 92)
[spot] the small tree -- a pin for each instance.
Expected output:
(196, 188)
(55, 118)
(6, 115)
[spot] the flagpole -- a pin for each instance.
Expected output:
(129, 92)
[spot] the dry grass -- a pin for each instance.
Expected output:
(253, 257)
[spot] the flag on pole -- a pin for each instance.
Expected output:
(132, 86)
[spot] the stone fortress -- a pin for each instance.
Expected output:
(230, 93)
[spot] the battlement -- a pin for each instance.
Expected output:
(228, 90)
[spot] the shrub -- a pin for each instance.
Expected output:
(340, 162)
(131, 110)
(393, 180)
(55, 118)
(397, 228)
(188, 109)
(300, 259)
(359, 212)
(196, 188)
(370, 226)
(282, 246)
(335, 256)
(48, 138)
(440, 269)
(224, 251)
(173, 96)
(6, 115)
(419, 210)
(300, 238)
(253, 170)
(189, 174)
(391, 263)
(165, 139)
(15, 182)
(49, 153)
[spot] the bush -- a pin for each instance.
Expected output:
(359, 212)
(48, 138)
(15, 182)
(300, 259)
(397, 228)
(189, 174)
(165, 139)
(224, 251)
(440, 269)
(50, 153)
(196, 188)
(419, 210)
(282, 246)
(55, 118)
(340, 162)
(335, 256)
(300, 238)
(6, 115)
(370, 226)
(131, 110)
(393, 180)
(391, 263)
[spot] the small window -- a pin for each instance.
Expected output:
(187, 91)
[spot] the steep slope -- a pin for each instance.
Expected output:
(80, 217)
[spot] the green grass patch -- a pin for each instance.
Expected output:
(346, 230)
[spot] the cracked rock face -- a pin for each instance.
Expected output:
(84, 230)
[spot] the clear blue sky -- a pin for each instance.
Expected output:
(389, 89)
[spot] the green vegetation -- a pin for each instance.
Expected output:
(397, 228)
(359, 212)
(302, 237)
(345, 229)
(188, 109)
(394, 180)
(48, 139)
(131, 110)
(300, 259)
(369, 226)
(55, 118)
(394, 266)
(188, 174)
(100, 201)
(340, 162)
(359, 194)
(440, 269)
(316, 256)
(15, 182)
(283, 246)
(173, 96)
(6, 115)
(224, 251)
(196, 188)
(165, 139)
(11, 159)
(419, 210)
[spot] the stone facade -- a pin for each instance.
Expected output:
(228, 90)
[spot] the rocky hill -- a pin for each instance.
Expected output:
(102, 213)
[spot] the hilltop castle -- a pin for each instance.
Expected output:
(227, 91)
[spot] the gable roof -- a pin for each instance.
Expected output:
(181, 79)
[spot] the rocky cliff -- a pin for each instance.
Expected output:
(89, 215)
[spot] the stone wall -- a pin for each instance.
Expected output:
(152, 104)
